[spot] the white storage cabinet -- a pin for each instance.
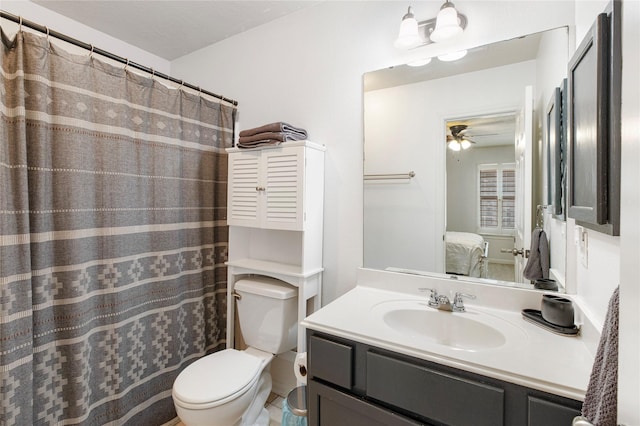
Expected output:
(275, 214)
(266, 188)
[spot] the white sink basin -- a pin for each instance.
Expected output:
(468, 331)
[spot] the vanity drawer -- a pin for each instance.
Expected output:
(331, 361)
(435, 395)
(543, 412)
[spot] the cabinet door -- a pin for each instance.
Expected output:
(283, 182)
(265, 189)
(330, 407)
(331, 361)
(244, 189)
(543, 413)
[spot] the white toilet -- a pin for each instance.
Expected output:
(231, 387)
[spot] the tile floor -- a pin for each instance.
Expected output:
(502, 272)
(274, 406)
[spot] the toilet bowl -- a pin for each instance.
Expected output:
(230, 387)
(219, 389)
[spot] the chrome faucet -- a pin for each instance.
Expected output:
(458, 304)
(442, 302)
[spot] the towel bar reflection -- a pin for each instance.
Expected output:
(388, 176)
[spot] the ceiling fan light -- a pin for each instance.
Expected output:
(465, 144)
(408, 36)
(447, 24)
(454, 145)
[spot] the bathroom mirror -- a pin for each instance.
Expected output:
(418, 192)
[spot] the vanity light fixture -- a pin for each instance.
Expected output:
(419, 62)
(408, 37)
(448, 24)
(453, 56)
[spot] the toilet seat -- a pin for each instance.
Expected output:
(216, 379)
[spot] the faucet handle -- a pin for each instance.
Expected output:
(433, 297)
(458, 303)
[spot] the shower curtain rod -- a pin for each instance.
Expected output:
(87, 46)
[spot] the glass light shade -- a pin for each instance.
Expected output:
(453, 56)
(447, 25)
(454, 145)
(408, 36)
(419, 62)
(465, 144)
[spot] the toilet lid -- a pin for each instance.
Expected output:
(216, 376)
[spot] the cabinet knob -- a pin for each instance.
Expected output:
(260, 188)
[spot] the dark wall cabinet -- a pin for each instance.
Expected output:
(350, 383)
(593, 131)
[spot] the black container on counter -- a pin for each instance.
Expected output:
(557, 310)
(545, 284)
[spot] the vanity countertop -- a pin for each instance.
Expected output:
(531, 357)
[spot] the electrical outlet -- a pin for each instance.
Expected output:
(577, 236)
(584, 248)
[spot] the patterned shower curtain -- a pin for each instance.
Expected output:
(112, 237)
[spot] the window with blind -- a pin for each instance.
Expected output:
(497, 197)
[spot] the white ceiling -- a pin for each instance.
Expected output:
(171, 29)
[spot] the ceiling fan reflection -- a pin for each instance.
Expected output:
(458, 140)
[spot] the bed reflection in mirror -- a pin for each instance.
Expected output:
(466, 254)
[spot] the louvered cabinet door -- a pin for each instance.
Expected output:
(243, 196)
(266, 188)
(284, 183)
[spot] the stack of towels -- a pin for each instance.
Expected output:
(270, 134)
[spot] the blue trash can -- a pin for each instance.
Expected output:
(294, 408)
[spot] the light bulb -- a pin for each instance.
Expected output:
(454, 145)
(419, 62)
(453, 56)
(408, 36)
(447, 25)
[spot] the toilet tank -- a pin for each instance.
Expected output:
(268, 313)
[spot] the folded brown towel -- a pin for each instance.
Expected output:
(601, 400)
(277, 128)
(276, 136)
(258, 144)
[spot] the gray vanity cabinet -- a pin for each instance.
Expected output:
(350, 384)
(339, 408)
